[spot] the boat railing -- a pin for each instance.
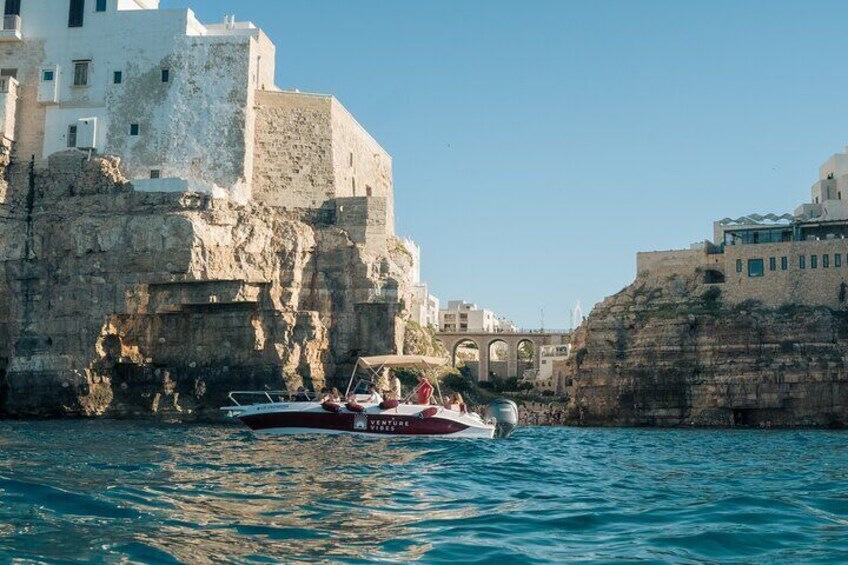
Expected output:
(269, 395)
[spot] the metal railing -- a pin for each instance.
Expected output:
(272, 396)
(11, 23)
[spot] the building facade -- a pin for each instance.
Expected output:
(776, 259)
(187, 106)
(466, 317)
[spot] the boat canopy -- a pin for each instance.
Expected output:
(402, 361)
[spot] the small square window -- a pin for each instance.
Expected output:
(825, 261)
(48, 76)
(101, 6)
(72, 136)
(772, 263)
(154, 173)
(837, 260)
(739, 265)
(755, 268)
(814, 261)
(784, 263)
(118, 77)
(166, 75)
(802, 262)
(133, 129)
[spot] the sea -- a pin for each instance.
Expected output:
(140, 492)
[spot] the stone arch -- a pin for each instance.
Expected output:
(525, 356)
(498, 351)
(461, 356)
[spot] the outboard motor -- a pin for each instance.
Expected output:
(504, 413)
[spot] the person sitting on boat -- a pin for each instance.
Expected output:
(394, 390)
(333, 396)
(456, 403)
(375, 397)
(424, 390)
(301, 395)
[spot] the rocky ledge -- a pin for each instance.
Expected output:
(122, 303)
(670, 353)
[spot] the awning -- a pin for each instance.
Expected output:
(402, 361)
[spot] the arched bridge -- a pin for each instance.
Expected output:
(486, 344)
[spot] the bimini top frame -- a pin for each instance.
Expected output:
(376, 364)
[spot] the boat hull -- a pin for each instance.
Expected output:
(404, 421)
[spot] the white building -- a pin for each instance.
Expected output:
(172, 97)
(466, 317)
(551, 364)
(425, 306)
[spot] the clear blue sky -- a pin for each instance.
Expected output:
(538, 145)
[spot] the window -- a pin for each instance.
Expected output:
(9, 73)
(48, 76)
(802, 262)
(133, 129)
(166, 75)
(772, 264)
(814, 261)
(118, 77)
(81, 73)
(76, 13)
(755, 267)
(825, 261)
(72, 136)
(155, 173)
(101, 6)
(739, 265)
(13, 8)
(784, 263)
(837, 260)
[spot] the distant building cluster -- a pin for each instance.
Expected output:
(465, 317)
(776, 259)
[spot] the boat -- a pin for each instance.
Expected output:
(281, 412)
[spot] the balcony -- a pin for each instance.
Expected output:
(11, 30)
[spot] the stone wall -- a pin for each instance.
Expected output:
(660, 264)
(819, 286)
(310, 150)
(293, 165)
(361, 166)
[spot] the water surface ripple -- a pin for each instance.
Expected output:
(124, 492)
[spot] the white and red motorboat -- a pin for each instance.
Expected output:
(280, 412)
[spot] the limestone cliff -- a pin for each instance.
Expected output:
(667, 352)
(117, 302)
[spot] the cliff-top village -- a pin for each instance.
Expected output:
(176, 226)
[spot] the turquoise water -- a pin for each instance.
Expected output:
(118, 492)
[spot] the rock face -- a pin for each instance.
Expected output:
(124, 303)
(668, 353)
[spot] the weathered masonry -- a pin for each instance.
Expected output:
(799, 258)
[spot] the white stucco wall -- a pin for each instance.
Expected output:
(198, 125)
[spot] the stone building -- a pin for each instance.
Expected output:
(776, 259)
